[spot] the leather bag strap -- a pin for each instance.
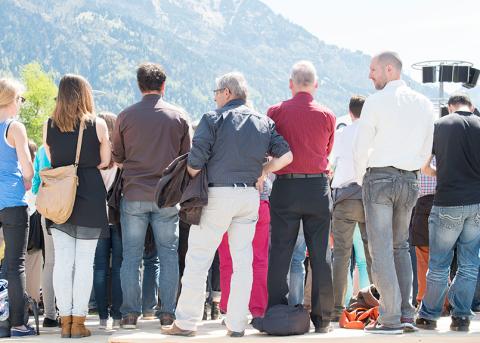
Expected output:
(79, 142)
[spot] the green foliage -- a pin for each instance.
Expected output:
(40, 95)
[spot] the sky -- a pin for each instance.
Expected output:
(418, 30)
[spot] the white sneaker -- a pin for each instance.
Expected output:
(116, 323)
(103, 324)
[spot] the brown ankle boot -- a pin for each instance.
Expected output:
(78, 327)
(66, 326)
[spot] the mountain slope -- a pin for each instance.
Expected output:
(195, 40)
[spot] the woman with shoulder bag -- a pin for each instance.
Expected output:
(75, 240)
(16, 172)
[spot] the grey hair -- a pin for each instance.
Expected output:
(235, 82)
(303, 73)
(390, 57)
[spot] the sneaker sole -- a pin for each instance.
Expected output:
(129, 326)
(385, 332)
(426, 327)
(460, 329)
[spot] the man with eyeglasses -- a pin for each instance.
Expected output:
(231, 143)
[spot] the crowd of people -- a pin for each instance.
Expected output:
(295, 208)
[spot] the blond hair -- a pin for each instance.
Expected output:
(74, 103)
(9, 90)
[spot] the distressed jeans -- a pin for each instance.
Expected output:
(135, 217)
(449, 227)
(389, 195)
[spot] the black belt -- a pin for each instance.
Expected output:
(234, 185)
(300, 176)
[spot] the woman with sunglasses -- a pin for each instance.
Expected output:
(16, 172)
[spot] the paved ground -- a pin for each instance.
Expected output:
(213, 331)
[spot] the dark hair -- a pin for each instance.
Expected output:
(32, 148)
(460, 99)
(444, 111)
(110, 120)
(356, 105)
(150, 77)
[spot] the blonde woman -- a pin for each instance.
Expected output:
(16, 172)
(75, 241)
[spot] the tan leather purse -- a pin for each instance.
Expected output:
(56, 195)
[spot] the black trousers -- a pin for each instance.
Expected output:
(213, 279)
(14, 221)
(309, 201)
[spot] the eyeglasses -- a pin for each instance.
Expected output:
(20, 99)
(215, 91)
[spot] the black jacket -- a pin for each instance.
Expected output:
(176, 186)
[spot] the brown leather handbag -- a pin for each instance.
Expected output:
(56, 195)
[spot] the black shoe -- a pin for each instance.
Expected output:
(50, 323)
(215, 312)
(205, 312)
(324, 327)
(235, 334)
(425, 324)
(167, 319)
(460, 324)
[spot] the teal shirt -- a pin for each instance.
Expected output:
(41, 162)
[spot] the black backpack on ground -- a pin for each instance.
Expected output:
(284, 320)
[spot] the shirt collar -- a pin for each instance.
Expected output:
(395, 84)
(303, 96)
(464, 113)
(150, 97)
(233, 103)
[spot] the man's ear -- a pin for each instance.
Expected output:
(162, 89)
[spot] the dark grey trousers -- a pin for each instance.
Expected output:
(346, 215)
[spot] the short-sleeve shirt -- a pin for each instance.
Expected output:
(456, 146)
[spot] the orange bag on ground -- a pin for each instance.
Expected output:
(358, 318)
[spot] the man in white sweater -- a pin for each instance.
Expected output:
(393, 142)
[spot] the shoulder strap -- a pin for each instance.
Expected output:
(79, 142)
(8, 122)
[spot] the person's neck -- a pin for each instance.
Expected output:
(4, 116)
(152, 93)
(463, 108)
(303, 90)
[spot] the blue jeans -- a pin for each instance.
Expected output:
(151, 273)
(449, 227)
(135, 217)
(476, 297)
(101, 271)
(296, 285)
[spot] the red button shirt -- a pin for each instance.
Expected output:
(309, 128)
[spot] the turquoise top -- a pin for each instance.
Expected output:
(41, 162)
(12, 189)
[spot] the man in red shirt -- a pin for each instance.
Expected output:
(301, 192)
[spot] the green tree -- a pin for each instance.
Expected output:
(40, 99)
